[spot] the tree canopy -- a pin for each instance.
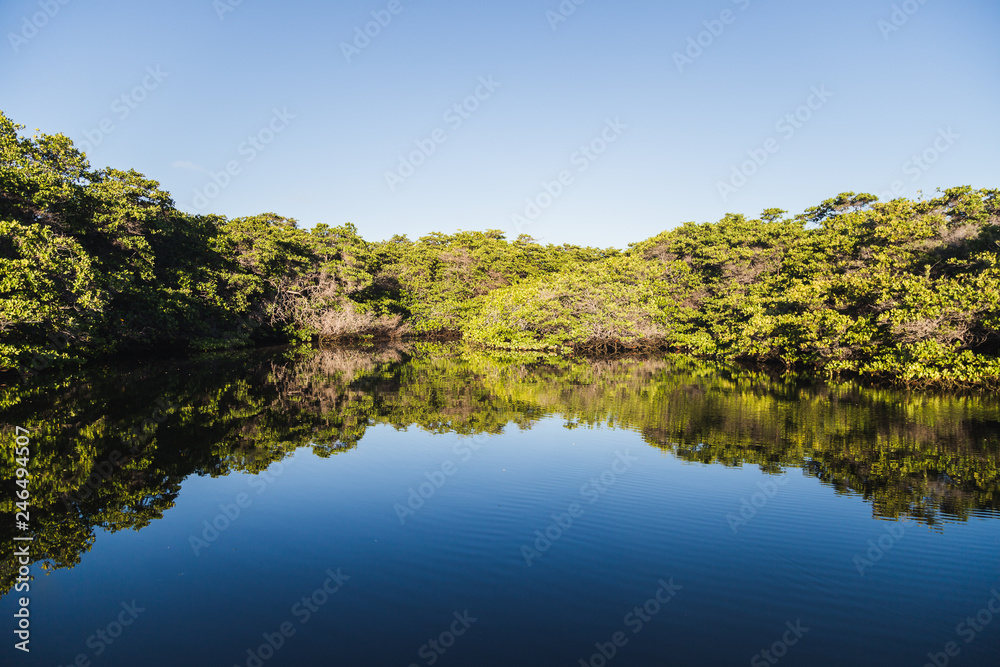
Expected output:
(96, 262)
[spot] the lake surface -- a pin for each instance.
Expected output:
(436, 506)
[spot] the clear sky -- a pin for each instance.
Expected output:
(598, 123)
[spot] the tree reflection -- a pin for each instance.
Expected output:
(111, 446)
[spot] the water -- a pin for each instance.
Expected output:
(433, 506)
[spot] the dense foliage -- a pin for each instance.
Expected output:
(903, 290)
(99, 261)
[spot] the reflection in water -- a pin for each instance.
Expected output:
(112, 445)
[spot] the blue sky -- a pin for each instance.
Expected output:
(588, 126)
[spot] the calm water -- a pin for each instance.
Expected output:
(430, 506)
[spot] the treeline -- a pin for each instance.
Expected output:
(99, 261)
(907, 291)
